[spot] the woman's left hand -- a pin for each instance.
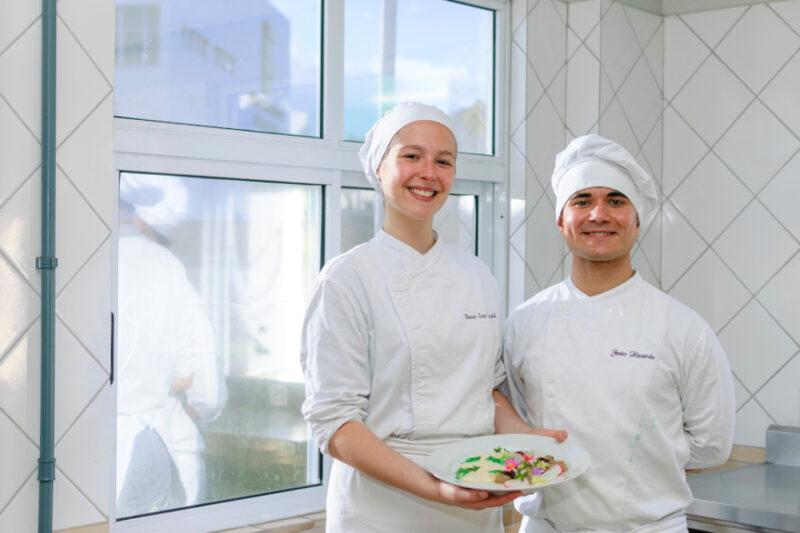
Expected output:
(559, 434)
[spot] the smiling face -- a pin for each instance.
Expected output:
(417, 172)
(599, 224)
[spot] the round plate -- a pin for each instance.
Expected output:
(444, 462)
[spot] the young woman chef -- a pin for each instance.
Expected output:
(401, 348)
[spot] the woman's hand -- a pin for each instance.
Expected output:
(472, 499)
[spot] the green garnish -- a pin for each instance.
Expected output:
(472, 459)
(496, 460)
(463, 471)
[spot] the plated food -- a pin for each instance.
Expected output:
(508, 462)
(510, 469)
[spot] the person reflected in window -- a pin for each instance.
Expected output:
(168, 374)
(401, 348)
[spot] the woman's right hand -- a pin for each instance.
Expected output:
(472, 499)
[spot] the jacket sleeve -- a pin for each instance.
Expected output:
(514, 386)
(707, 398)
(335, 360)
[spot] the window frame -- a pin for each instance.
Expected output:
(329, 161)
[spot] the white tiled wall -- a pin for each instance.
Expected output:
(731, 171)
(84, 218)
(708, 103)
(587, 67)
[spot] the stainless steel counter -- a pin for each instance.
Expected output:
(763, 496)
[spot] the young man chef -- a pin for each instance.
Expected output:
(637, 378)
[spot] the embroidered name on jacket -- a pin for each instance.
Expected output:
(475, 316)
(632, 354)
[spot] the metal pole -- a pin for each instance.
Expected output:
(47, 264)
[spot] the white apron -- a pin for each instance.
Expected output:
(417, 365)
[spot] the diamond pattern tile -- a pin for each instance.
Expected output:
(685, 55)
(683, 149)
(534, 89)
(652, 150)
(82, 85)
(755, 246)
(654, 55)
(546, 40)
(573, 43)
(78, 378)
(97, 39)
(789, 11)
(85, 451)
(583, 17)
(543, 246)
(779, 297)
(519, 68)
(754, 58)
(740, 392)
(16, 17)
(780, 194)
(516, 279)
(780, 95)
(19, 84)
(614, 125)
(583, 71)
(710, 197)
(544, 137)
(713, 25)
(711, 289)
(619, 46)
(642, 266)
(781, 396)
(651, 245)
(750, 425)
(19, 306)
(681, 246)
(20, 233)
(17, 461)
(17, 516)
(641, 99)
(756, 345)
(769, 145)
(70, 507)
(19, 376)
(644, 24)
(19, 152)
(558, 94)
(91, 174)
(712, 100)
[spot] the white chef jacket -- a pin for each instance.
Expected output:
(640, 381)
(410, 345)
(164, 334)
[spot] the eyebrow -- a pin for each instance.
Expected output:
(421, 149)
(612, 194)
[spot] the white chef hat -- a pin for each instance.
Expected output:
(381, 133)
(160, 201)
(594, 161)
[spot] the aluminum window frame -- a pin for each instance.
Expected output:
(329, 161)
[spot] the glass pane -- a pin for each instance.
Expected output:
(432, 51)
(244, 64)
(358, 216)
(213, 277)
(456, 223)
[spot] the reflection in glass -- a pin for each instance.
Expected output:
(456, 223)
(432, 51)
(247, 64)
(213, 276)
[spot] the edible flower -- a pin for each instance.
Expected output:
(511, 463)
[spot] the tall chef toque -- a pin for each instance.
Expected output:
(381, 133)
(593, 161)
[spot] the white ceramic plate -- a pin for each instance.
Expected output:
(444, 462)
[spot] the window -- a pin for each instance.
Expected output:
(259, 198)
(431, 51)
(213, 276)
(249, 64)
(456, 223)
